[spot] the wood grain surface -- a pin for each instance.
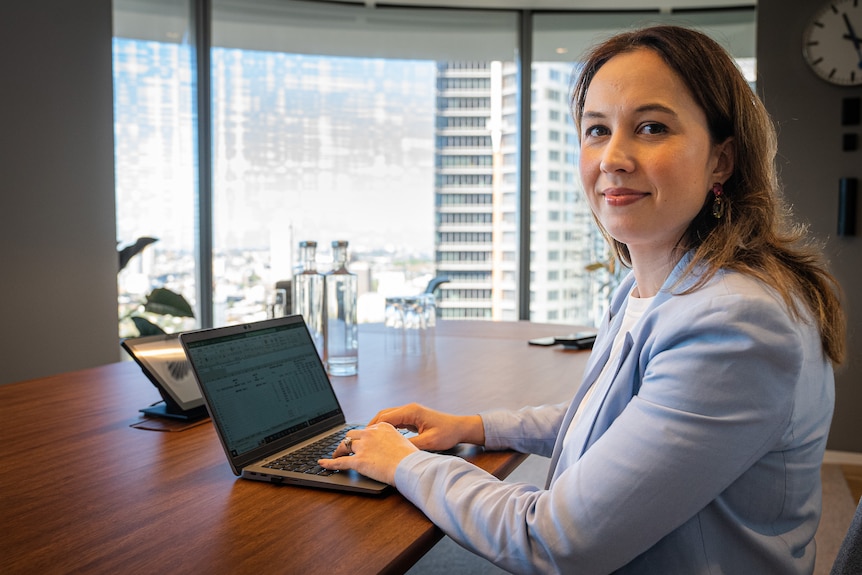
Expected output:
(83, 491)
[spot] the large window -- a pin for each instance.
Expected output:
(322, 148)
(396, 129)
(365, 128)
(154, 156)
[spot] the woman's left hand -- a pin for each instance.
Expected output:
(377, 451)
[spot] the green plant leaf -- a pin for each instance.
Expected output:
(145, 327)
(130, 251)
(165, 302)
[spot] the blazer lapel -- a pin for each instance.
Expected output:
(602, 412)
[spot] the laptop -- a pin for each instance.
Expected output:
(270, 400)
(163, 361)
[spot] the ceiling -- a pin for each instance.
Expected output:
(604, 5)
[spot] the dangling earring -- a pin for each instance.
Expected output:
(719, 204)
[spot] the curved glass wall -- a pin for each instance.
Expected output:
(396, 129)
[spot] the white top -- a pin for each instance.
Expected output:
(635, 309)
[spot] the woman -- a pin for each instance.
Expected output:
(695, 441)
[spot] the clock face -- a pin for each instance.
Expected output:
(832, 43)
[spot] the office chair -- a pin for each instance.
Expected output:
(435, 282)
(432, 286)
(849, 559)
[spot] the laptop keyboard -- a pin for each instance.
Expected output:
(305, 460)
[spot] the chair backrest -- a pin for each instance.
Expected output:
(849, 558)
(435, 282)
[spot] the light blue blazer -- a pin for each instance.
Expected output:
(700, 455)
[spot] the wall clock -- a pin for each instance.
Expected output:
(832, 42)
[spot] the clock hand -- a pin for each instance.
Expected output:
(857, 43)
(852, 33)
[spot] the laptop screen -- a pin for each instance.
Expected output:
(263, 385)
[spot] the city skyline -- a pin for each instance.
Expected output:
(287, 171)
(390, 155)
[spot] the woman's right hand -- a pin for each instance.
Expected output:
(437, 431)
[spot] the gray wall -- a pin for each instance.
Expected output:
(807, 111)
(58, 263)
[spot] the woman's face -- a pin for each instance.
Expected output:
(646, 162)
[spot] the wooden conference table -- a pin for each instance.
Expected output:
(83, 491)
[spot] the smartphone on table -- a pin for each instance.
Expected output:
(579, 340)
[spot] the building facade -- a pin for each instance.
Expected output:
(476, 199)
